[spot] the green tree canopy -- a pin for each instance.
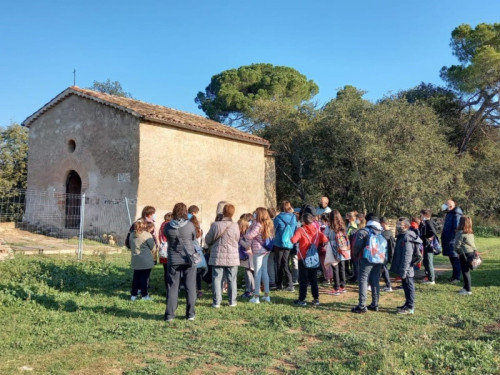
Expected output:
(112, 88)
(231, 95)
(477, 78)
(13, 157)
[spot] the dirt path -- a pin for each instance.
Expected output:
(14, 240)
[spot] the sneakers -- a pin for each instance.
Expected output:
(290, 289)
(315, 302)
(246, 295)
(333, 292)
(215, 306)
(369, 288)
(232, 304)
(464, 292)
(372, 307)
(147, 298)
(266, 299)
(273, 287)
(254, 299)
(133, 298)
(387, 289)
(427, 282)
(342, 290)
(405, 310)
(359, 310)
(191, 318)
(453, 281)
(295, 283)
(300, 303)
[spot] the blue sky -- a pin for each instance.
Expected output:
(164, 52)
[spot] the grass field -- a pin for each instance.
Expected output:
(60, 316)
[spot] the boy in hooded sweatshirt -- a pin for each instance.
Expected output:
(407, 242)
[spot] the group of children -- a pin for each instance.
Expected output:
(286, 236)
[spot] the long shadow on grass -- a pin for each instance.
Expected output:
(97, 277)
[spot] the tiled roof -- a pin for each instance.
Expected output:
(153, 113)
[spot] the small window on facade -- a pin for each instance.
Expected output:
(71, 145)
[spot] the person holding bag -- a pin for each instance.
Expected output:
(306, 235)
(223, 238)
(180, 234)
(465, 247)
(261, 230)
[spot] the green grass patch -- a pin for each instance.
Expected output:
(61, 316)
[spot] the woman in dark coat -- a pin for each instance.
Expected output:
(180, 234)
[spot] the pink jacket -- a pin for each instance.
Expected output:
(254, 234)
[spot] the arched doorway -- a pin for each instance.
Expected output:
(73, 200)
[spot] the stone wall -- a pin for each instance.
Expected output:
(105, 156)
(181, 166)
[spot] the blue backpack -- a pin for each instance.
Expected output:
(287, 234)
(375, 250)
(312, 256)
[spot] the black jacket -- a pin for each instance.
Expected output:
(427, 231)
(391, 244)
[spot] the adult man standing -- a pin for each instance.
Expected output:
(451, 221)
(323, 207)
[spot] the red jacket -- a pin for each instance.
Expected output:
(313, 233)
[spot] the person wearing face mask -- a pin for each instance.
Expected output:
(450, 226)
(406, 241)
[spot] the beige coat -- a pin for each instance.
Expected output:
(223, 247)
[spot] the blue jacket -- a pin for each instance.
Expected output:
(280, 222)
(450, 226)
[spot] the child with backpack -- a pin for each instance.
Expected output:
(370, 248)
(339, 242)
(309, 237)
(284, 228)
(406, 254)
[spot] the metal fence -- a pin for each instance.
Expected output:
(82, 220)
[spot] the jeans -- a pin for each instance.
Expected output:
(355, 268)
(429, 265)
(229, 273)
(307, 276)
(455, 264)
(249, 281)
(409, 289)
(173, 283)
(271, 269)
(368, 271)
(140, 281)
(281, 259)
(260, 272)
(385, 275)
(464, 265)
(339, 275)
